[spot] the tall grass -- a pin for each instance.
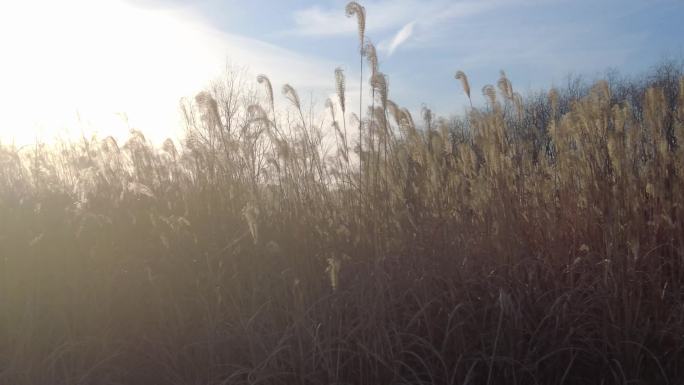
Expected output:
(538, 240)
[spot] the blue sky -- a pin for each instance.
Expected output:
(537, 42)
(83, 65)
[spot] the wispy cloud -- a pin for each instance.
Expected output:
(401, 37)
(318, 21)
(386, 15)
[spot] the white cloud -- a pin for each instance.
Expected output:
(401, 37)
(380, 16)
(384, 15)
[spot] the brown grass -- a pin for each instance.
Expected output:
(538, 241)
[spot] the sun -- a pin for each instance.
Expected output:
(76, 67)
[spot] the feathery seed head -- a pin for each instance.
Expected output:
(460, 75)
(340, 86)
(379, 83)
(408, 118)
(331, 107)
(263, 79)
(291, 95)
(395, 111)
(490, 93)
(371, 56)
(505, 86)
(355, 9)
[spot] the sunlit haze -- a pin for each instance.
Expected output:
(73, 66)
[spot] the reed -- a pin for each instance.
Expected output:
(538, 239)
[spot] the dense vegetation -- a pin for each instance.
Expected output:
(537, 240)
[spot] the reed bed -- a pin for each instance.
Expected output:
(536, 240)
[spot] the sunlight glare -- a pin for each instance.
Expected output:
(78, 66)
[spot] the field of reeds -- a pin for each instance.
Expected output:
(539, 239)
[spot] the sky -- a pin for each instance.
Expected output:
(80, 66)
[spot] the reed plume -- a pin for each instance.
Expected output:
(291, 94)
(505, 86)
(395, 111)
(379, 84)
(340, 88)
(355, 9)
(461, 76)
(340, 85)
(263, 79)
(490, 93)
(371, 56)
(408, 118)
(331, 108)
(540, 243)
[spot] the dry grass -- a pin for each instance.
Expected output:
(536, 241)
